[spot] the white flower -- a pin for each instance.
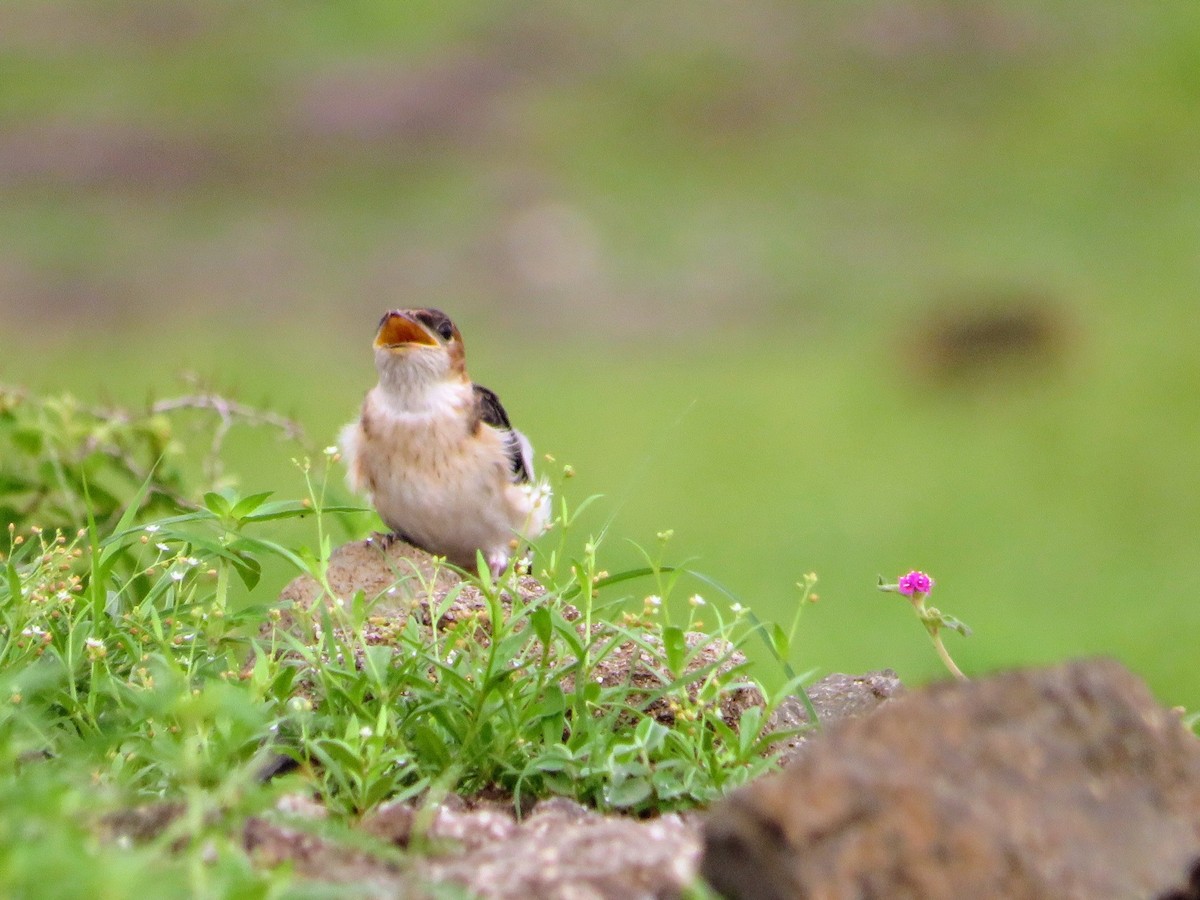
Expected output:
(737, 609)
(365, 731)
(177, 576)
(696, 600)
(33, 631)
(654, 600)
(331, 450)
(163, 547)
(94, 643)
(152, 529)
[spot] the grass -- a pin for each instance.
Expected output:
(773, 204)
(1051, 504)
(140, 650)
(770, 207)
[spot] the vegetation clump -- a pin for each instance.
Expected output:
(145, 660)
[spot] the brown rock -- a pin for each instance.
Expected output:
(394, 578)
(396, 581)
(1057, 783)
(563, 850)
(835, 697)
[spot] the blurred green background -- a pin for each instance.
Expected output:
(845, 287)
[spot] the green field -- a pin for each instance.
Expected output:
(701, 253)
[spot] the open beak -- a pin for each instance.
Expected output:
(398, 330)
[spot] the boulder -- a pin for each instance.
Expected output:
(1062, 782)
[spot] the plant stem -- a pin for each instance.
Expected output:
(945, 655)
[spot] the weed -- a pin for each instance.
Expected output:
(139, 657)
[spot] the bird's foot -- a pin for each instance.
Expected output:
(384, 541)
(497, 562)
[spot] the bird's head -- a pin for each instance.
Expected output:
(418, 346)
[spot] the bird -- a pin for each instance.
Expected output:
(437, 454)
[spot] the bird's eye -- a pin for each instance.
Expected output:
(446, 330)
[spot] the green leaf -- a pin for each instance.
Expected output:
(292, 509)
(217, 504)
(552, 704)
(248, 568)
(749, 725)
(628, 792)
(28, 439)
(955, 625)
(430, 746)
(245, 543)
(14, 582)
(338, 755)
(629, 575)
(551, 761)
(542, 624)
(675, 647)
(779, 640)
(247, 505)
(650, 734)
(11, 483)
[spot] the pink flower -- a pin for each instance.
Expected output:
(915, 583)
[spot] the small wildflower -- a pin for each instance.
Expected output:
(177, 576)
(737, 609)
(152, 529)
(331, 450)
(696, 600)
(366, 732)
(654, 600)
(163, 547)
(915, 583)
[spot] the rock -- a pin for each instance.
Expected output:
(1063, 782)
(559, 849)
(835, 697)
(398, 581)
(563, 850)
(394, 579)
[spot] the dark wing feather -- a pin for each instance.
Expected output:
(490, 411)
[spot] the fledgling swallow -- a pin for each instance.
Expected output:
(437, 454)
